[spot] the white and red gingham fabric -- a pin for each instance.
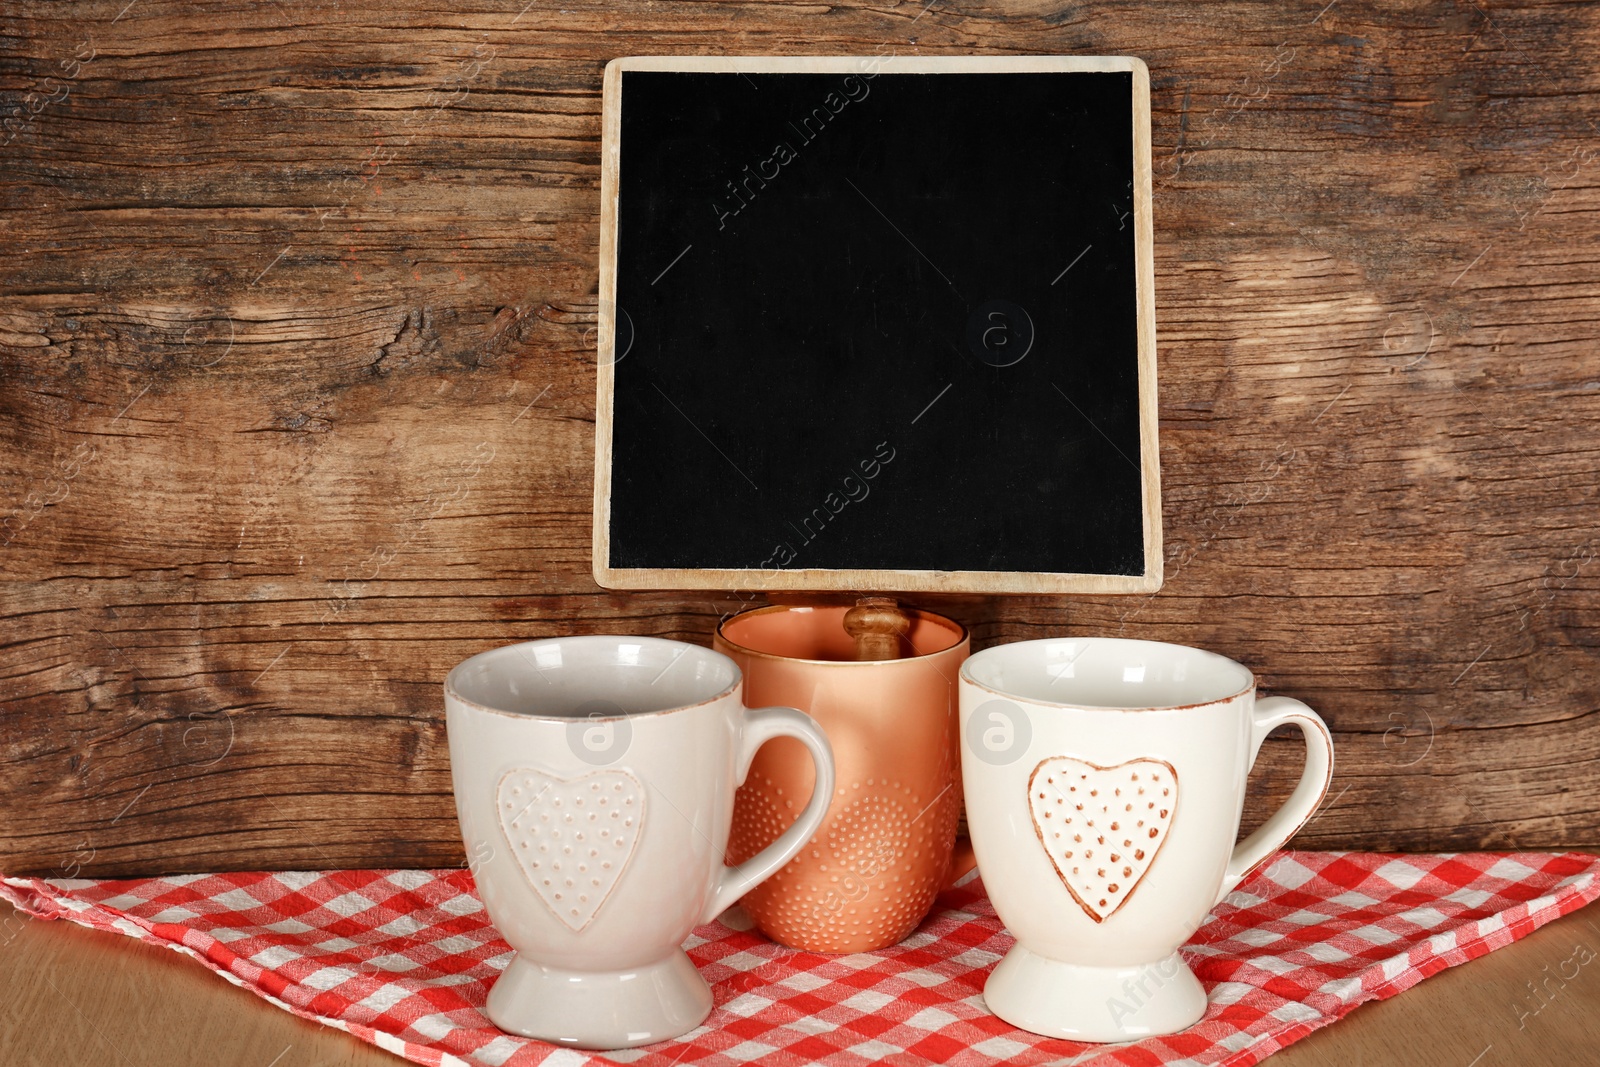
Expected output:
(404, 959)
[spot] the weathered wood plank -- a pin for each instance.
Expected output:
(296, 398)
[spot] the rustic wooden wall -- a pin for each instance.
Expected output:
(296, 312)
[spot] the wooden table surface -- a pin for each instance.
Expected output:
(78, 996)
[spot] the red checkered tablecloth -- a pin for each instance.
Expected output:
(404, 959)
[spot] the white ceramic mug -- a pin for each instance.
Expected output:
(594, 779)
(1105, 779)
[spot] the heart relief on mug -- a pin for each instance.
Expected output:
(1121, 814)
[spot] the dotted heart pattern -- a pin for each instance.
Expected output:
(1102, 826)
(571, 837)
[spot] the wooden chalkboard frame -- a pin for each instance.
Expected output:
(952, 581)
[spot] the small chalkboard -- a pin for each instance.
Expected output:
(877, 323)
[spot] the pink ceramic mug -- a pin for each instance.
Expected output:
(888, 843)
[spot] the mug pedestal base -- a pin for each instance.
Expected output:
(1055, 999)
(600, 1010)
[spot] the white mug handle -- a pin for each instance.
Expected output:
(761, 725)
(1273, 834)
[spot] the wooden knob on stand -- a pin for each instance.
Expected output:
(877, 623)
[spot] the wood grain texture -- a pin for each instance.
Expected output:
(297, 393)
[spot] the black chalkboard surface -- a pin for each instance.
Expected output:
(877, 323)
